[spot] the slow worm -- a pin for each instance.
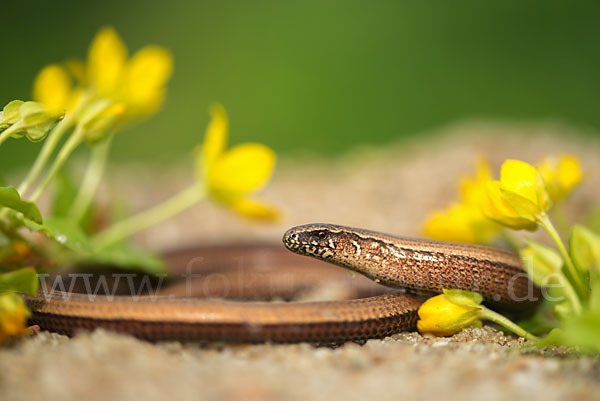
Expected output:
(417, 265)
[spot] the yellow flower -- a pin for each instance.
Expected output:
(137, 83)
(472, 189)
(106, 61)
(519, 198)
(54, 89)
(459, 223)
(232, 176)
(464, 222)
(443, 316)
(561, 176)
(450, 312)
(13, 316)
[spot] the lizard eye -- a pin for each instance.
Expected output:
(322, 235)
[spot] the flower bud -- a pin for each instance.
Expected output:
(30, 119)
(13, 316)
(448, 313)
(10, 114)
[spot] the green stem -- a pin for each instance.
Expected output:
(8, 132)
(560, 217)
(74, 140)
(495, 317)
(91, 180)
(141, 221)
(547, 225)
(47, 150)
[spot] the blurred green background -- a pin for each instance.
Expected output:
(324, 76)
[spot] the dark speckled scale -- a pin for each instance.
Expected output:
(421, 265)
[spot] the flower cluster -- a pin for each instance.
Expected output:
(77, 102)
(110, 85)
(521, 199)
(464, 221)
(518, 200)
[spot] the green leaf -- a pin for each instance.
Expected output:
(128, 258)
(554, 338)
(67, 233)
(464, 298)
(584, 246)
(23, 281)
(540, 262)
(583, 331)
(65, 191)
(594, 301)
(10, 198)
(63, 231)
(64, 195)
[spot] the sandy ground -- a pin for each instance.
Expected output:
(473, 365)
(388, 190)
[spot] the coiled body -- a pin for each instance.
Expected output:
(396, 262)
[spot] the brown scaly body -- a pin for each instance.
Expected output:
(417, 264)
(206, 320)
(396, 262)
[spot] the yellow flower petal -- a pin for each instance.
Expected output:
(77, 69)
(522, 206)
(52, 88)
(561, 176)
(437, 311)
(569, 172)
(106, 61)
(145, 78)
(519, 198)
(498, 209)
(430, 327)
(215, 138)
(242, 169)
(519, 177)
(255, 209)
(460, 223)
(472, 189)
